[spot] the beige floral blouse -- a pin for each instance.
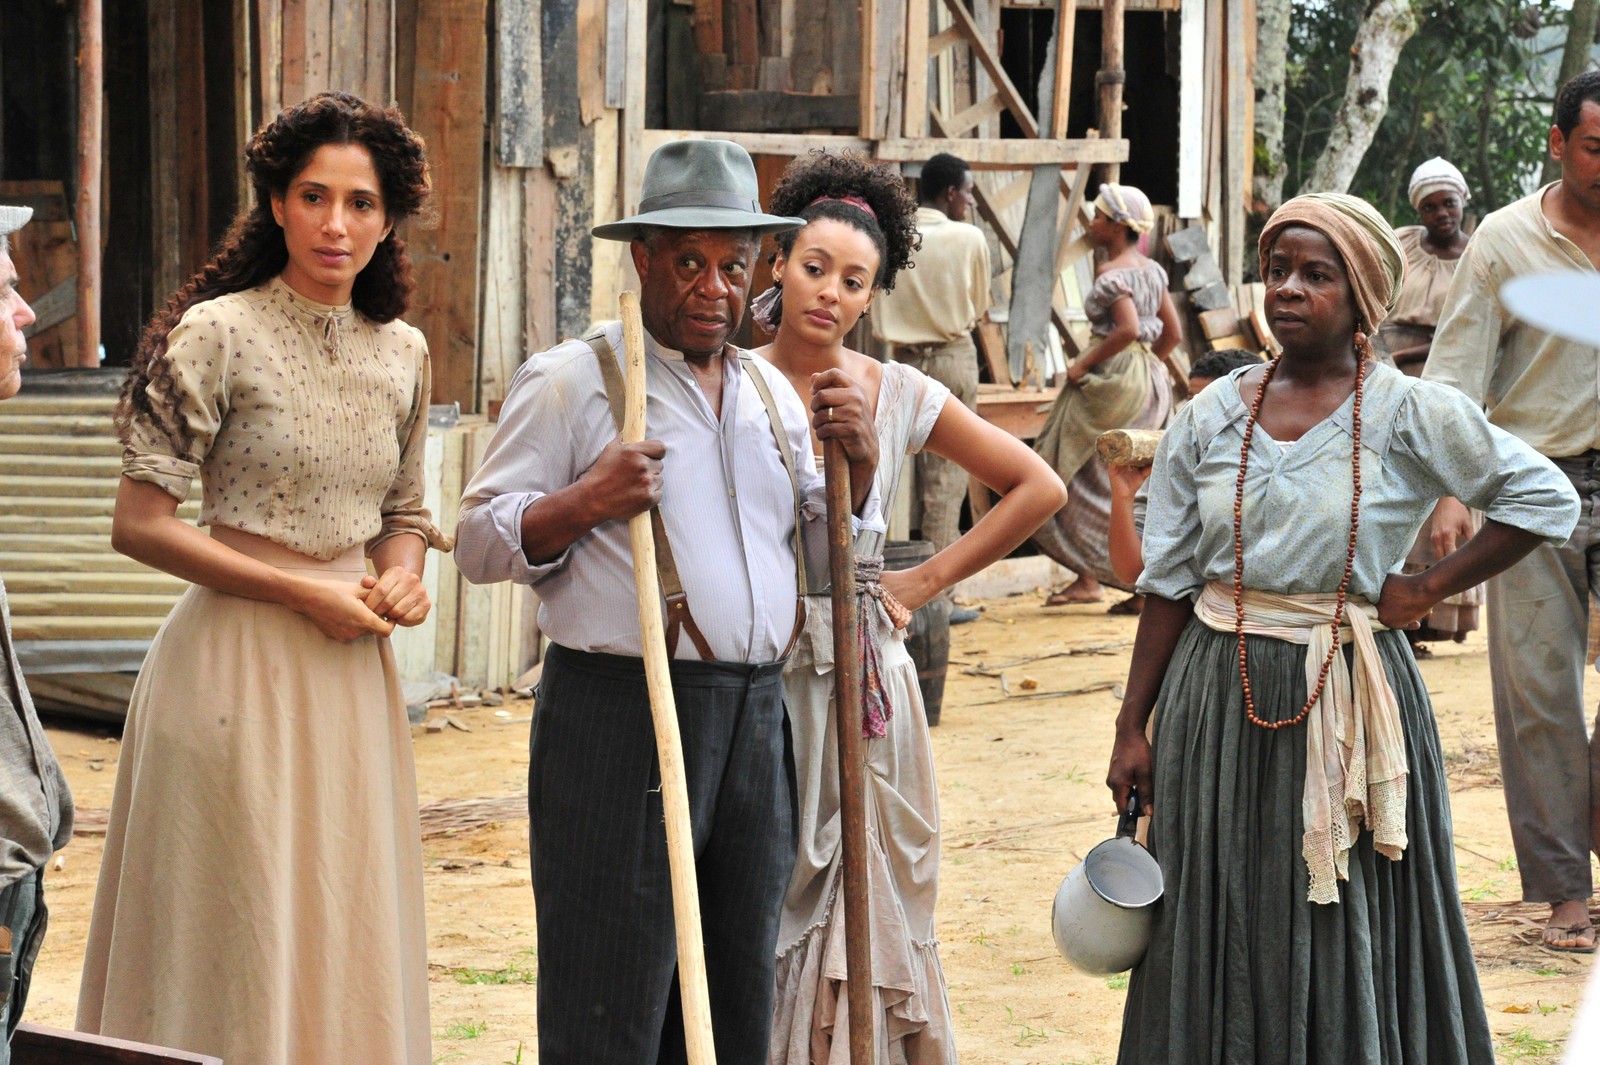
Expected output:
(309, 422)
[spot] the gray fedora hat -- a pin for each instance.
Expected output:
(698, 184)
(13, 219)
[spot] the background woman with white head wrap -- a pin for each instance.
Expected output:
(1438, 193)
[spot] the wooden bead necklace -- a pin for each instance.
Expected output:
(1362, 354)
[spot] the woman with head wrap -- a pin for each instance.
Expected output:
(1294, 772)
(1438, 194)
(1432, 249)
(1119, 383)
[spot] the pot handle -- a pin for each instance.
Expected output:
(1128, 823)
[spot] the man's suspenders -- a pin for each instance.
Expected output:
(678, 613)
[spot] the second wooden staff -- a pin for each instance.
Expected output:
(692, 986)
(857, 907)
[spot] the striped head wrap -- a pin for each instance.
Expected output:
(1434, 176)
(1127, 205)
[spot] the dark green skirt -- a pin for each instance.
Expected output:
(1241, 969)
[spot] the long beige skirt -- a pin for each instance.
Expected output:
(260, 897)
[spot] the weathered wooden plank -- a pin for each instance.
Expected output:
(616, 59)
(569, 147)
(1191, 106)
(503, 283)
(53, 308)
(591, 89)
(194, 191)
(744, 51)
(378, 79)
(539, 254)
(708, 27)
(270, 63)
(165, 203)
(347, 47)
(319, 46)
(449, 111)
(633, 156)
(917, 50)
(244, 90)
(754, 111)
(519, 87)
(293, 56)
(1006, 154)
(1066, 27)
(868, 83)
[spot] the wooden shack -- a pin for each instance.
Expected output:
(539, 116)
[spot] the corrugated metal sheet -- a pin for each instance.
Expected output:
(77, 607)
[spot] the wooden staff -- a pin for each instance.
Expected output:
(695, 994)
(847, 722)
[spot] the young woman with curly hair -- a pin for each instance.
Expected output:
(860, 231)
(260, 897)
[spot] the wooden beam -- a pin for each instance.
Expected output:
(745, 53)
(991, 65)
(91, 112)
(1111, 76)
(1005, 154)
(916, 106)
(943, 41)
(979, 113)
(869, 48)
(165, 201)
(979, 154)
(1066, 28)
(591, 88)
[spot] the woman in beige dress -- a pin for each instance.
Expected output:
(1438, 194)
(260, 897)
(859, 232)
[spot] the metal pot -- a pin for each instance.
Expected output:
(1105, 906)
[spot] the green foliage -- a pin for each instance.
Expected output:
(1473, 85)
(520, 970)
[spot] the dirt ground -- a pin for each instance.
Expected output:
(1023, 800)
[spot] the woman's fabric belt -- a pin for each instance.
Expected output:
(1355, 749)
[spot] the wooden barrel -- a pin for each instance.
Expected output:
(928, 637)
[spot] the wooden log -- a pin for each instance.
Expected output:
(692, 985)
(91, 111)
(1129, 447)
(852, 776)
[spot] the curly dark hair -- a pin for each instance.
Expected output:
(254, 251)
(827, 177)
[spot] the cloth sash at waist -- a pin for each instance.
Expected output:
(1355, 749)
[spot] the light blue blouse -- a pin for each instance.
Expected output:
(1419, 441)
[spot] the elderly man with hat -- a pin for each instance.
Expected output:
(35, 805)
(737, 503)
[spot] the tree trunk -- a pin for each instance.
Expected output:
(1385, 28)
(1272, 51)
(1574, 60)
